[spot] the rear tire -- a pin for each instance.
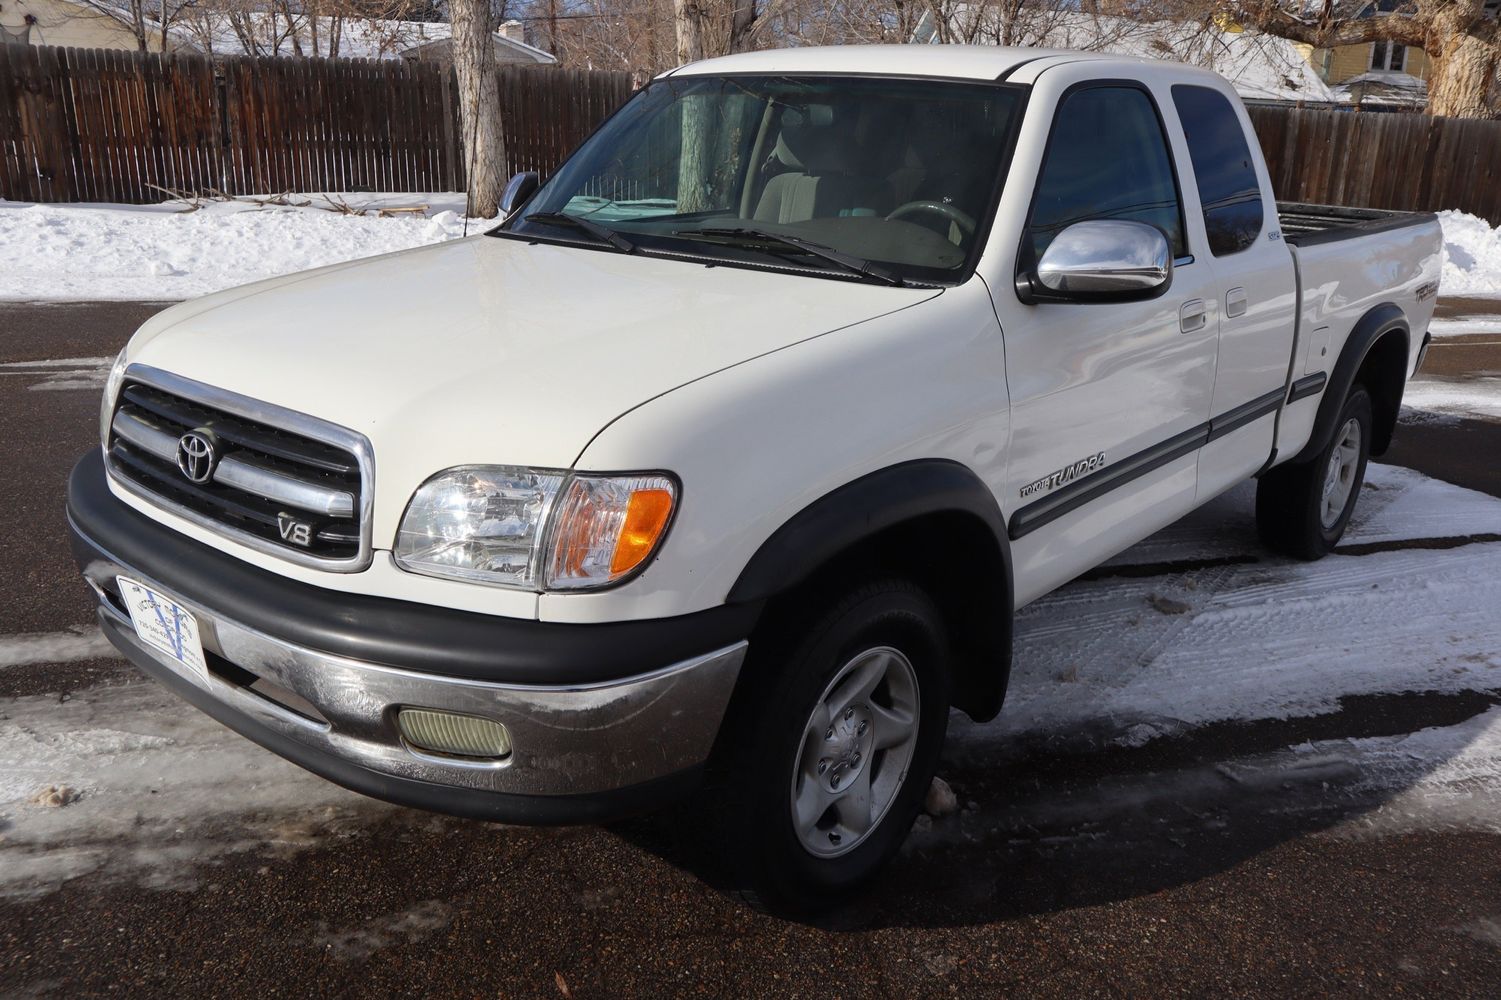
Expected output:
(831, 745)
(1302, 510)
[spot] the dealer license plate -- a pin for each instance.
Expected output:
(164, 625)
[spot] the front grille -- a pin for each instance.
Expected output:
(282, 490)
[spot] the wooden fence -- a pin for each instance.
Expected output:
(1403, 162)
(110, 125)
(106, 125)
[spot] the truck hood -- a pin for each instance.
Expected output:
(492, 350)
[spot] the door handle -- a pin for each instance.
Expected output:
(1193, 316)
(1235, 302)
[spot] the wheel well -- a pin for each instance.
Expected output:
(955, 557)
(1383, 372)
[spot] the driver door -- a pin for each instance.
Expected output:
(1109, 402)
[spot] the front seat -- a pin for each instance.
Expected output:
(819, 179)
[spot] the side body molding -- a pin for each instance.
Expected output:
(952, 536)
(1381, 320)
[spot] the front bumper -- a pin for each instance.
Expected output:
(584, 749)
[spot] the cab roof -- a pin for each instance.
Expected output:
(961, 62)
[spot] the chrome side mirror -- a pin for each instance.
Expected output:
(1106, 260)
(518, 189)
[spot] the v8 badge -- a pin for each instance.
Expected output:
(292, 530)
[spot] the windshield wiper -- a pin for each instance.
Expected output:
(753, 234)
(602, 233)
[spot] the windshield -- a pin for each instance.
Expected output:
(895, 177)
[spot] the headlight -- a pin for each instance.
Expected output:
(111, 390)
(537, 529)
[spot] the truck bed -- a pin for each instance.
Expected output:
(1309, 225)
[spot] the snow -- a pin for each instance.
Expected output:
(160, 788)
(1472, 256)
(79, 643)
(1464, 326)
(1098, 664)
(1260, 67)
(1479, 396)
(359, 38)
(162, 252)
(63, 373)
(1101, 662)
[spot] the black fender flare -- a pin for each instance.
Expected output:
(980, 592)
(1378, 322)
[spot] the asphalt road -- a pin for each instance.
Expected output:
(1269, 899)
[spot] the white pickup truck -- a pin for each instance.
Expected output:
(721, 465)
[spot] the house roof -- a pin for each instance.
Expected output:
(1259, 66)
(359, 38)
(1384, 87)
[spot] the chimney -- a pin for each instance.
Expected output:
(513, 30)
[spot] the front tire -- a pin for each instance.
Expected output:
(832, 745)
(1303, 510)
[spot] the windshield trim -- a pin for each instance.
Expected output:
(961, 274)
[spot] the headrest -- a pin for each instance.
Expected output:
(812, 141)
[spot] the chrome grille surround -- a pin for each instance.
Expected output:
(246, 472)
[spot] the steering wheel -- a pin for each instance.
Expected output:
(964, 221)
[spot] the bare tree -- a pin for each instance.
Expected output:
(1461, 37)
(690, 18)
(147, 20)
(479, 103)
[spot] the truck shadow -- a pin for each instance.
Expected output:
(1040, 831)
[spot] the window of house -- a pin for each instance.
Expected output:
(1107, 159)
(1388, 56)
(1229, 192)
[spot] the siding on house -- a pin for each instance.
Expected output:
(71, 25)
(1344, 62)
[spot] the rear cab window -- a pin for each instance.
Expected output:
(1223, 169)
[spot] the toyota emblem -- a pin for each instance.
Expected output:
(197, 455)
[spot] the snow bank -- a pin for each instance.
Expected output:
(162, 252)
(1472, 255)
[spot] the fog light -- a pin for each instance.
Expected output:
(453, 735)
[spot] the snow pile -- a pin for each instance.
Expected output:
(162, 252)
(1472, 255)
(1474, 397)
(1127, 659)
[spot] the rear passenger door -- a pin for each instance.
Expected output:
(1109, 402)
(1254, 269)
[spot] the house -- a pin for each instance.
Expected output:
(271, 33)
(67, 23)
(1381, 74)
(1384, 75)
(510, 47)
(97, 24)
(1262, 68)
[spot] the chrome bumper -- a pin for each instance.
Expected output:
(574, 740)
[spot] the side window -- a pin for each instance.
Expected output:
(1226, 176)
(1107, 159)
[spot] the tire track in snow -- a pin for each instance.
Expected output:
(82, 642)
